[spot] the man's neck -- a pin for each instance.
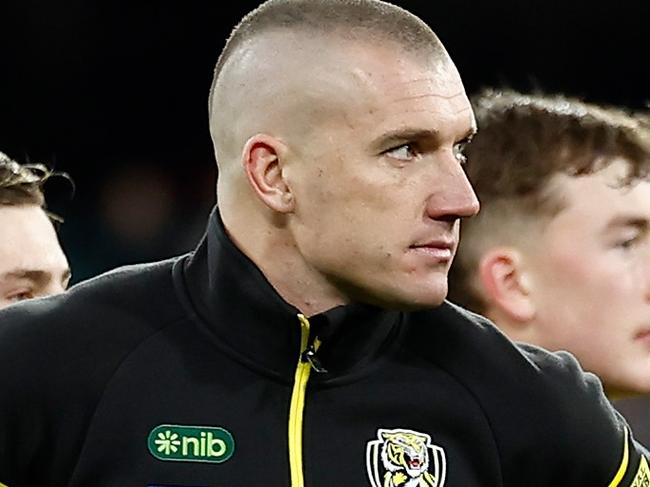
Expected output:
(275, 254)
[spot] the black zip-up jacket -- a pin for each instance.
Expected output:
(193, 372)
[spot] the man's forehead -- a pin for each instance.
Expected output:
(391, 66)
(388, 78)
(421, 102)
(21, 224)
(28, 238)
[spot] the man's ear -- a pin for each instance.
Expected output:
(506, 284)
(262, 161)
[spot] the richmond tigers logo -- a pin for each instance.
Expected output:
(404, 458)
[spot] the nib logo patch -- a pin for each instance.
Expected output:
(172, 442)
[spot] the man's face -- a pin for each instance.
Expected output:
(32, 263)
(590, 279)
(379, 189)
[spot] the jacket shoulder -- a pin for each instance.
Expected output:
(546, 413)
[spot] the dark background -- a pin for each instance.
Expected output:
(115, 94)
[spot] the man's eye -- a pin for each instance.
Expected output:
(20, 296)
(625, 244)
(459, 152)
(630, 241)
(404, 152)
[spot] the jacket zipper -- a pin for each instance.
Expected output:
(306, 361)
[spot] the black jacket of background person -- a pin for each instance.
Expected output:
(191, 372)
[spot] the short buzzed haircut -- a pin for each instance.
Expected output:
(523, 141)
(350, 19)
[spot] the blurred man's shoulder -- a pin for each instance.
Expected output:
(541, 403)
(451, 332)
(518, 385)
(468, 342)
(127, 301)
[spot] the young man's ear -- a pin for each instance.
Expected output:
(262, 161)
(506, 284)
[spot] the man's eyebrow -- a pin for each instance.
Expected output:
(33, 275)
(412, 134)
(38, 277)
(404, 135)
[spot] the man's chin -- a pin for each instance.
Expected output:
(404, 295)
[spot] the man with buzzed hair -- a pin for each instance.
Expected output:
(32, 263)
(306, 340)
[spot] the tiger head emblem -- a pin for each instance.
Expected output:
(408, 459)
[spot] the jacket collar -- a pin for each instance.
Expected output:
(237, 303)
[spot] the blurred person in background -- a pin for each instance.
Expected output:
(140, 212)
(559, 255)
(32, 262)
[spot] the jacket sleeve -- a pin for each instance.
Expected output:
(592, 443)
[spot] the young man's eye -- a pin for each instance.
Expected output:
(404, 152)
(630, 241)
(20, 296)
(626, 244)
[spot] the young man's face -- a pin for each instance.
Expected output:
(590, 279)
(380, 190)
(32, 263)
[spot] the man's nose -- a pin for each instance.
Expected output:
(453, 196)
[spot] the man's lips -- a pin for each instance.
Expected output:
(438, 249)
